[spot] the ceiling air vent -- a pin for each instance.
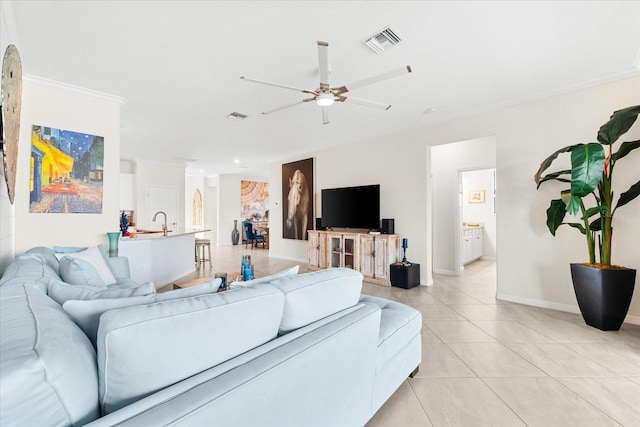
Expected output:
(383, 40)
(236, 116)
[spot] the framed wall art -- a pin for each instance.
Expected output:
(297, 199)
(476, 196)
(66, 171)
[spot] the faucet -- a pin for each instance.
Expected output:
(164, 226)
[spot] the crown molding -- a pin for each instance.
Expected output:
(74, 90)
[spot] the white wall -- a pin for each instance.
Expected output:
(60, 106)
(482, 213)
(402, 177)
(447, 161)
(533, 266)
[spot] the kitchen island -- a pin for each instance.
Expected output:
(160, 259)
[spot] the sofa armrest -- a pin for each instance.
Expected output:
(120, 267)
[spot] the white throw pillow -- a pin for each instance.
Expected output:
(87, 313)
(93, 256)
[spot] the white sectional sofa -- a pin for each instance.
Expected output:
(296, 350)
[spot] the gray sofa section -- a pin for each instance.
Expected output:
(301, 350)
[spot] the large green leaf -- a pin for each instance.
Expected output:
(619, 123)
(547, 162)
(625, 149)
(587, 165)
(556, 176)
(555, 215)
(629, 195)
(578, 226)
(571, 202)
(592, 211)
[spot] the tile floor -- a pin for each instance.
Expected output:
(494, 363)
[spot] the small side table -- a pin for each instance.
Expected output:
(405, 275)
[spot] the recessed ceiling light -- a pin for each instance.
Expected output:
(236, 161)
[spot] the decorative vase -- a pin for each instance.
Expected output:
(603, 295)
(235, 234)
(114, 238)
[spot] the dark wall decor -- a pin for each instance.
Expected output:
(297, 199)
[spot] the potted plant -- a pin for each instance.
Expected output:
(603, 290)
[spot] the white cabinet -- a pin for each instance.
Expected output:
(471, 244)
(317, 251)
(343, 249)
(377, 252)
(371, 254)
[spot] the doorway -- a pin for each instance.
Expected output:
(447, 162)
(477, 215)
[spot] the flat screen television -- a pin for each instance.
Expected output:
(351, 207)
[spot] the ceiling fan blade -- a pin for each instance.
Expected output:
(325, 115)
(297, 89)
(372, 80)
(323, 62)
(284, 107)
(366, 103)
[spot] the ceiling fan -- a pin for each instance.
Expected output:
(326, 95)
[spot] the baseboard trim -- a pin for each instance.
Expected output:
(445, 272)
(634, 320)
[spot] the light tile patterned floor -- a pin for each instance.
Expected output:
(493, 363)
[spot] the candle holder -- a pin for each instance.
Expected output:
(405, 245)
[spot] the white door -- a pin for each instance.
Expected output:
(163, 199)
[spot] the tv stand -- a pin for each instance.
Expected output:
(370, 254)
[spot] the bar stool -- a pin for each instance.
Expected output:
(201, 245)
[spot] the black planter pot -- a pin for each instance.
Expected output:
(603, 295)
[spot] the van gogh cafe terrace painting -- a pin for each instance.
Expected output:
(66, 171)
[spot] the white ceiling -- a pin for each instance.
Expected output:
(178, 64)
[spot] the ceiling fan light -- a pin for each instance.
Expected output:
(324, 99)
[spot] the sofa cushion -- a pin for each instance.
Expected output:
(30, 266)
(76, 271)
(312, 296)
(48, 370)
(144, 348)
(93, 256)
(46, 254)
(399, 324)
(61, 292)
(87, 313)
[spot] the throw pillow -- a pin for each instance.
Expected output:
(87, 313)
(78, 272)
(61, 292)
(93, 256)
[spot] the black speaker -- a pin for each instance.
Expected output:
(319, 224)
(387, 226)
(405, 275)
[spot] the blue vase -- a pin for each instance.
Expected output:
(114, 238)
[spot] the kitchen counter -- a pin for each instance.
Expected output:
(159, 259)
(154, 234)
